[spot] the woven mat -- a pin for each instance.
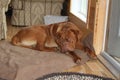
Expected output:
(72, 76)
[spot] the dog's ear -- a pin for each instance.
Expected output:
(78, 34)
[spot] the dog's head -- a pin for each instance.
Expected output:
(66, 39)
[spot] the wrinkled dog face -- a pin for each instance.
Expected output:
(66, 40)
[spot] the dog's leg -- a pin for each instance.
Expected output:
(48, 49)
(90, 53)
(42, 47)
(75, 57)
(79, 46)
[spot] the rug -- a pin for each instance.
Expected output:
(18, 63)
(72, 76)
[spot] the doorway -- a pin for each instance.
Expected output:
(113, 41)
(110, 49)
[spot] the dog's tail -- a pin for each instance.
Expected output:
(15, 40)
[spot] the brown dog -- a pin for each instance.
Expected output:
(63, 35)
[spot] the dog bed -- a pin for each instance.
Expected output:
(19, 63)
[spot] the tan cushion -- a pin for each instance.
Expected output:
(31, 64)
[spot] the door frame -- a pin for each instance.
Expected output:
(101, 30)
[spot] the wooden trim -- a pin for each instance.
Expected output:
(77, 21)
(88, 15)
(99, 25)
(91, 14)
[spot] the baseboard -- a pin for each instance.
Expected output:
(111, 67)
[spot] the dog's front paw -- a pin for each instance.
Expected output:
(92, 56)
(77, 60)
(75, 57)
